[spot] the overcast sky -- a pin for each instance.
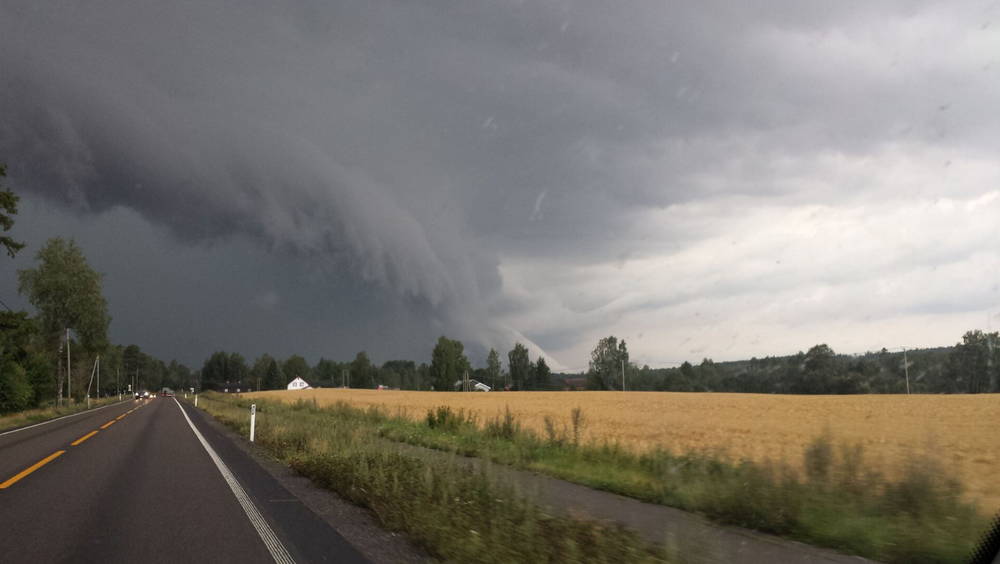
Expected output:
(702, 179)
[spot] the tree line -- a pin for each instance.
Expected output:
(445, 372)
(972, 366)
(70, 312)
(269, 373)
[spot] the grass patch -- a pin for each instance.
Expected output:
(840, 501)
(458, 515)
(20, 419)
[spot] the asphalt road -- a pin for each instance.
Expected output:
(149, 481)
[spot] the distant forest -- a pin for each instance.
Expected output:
(818, 371)
(971, 366)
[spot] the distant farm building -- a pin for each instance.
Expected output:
(474, 386)
(298, 384)
(233, 387)
(574, 384)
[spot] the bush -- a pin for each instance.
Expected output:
(504, 429)
(578, 423)
(16, 393)
(446, 420)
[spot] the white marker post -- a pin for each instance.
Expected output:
(196, 400)
(253, 420)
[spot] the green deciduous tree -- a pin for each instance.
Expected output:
(272, 377)
(542, 375)
(363, 372)
(131, 357)
(606, 364)
(448, 362)
(177, 377)
(328, 373)
(259, 371)
(215, 369)
(8, 208)
(296, 367)
(423, 377)
(66, 293)
(224, 367)
(493, 368)
(519, 365)
(238, 369)
(975, 363)
(407, 371)
(15, 388)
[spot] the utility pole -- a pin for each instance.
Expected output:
(69, 372)
(98, 376)
(90, 385)
(906, 368)
(623, 375)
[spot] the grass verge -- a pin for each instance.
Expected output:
(840, 501)
(31, 416)
(455, 514)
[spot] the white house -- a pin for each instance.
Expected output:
(298, 384)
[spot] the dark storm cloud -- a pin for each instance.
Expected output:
(412, 145)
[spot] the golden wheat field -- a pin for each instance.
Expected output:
(962, 430)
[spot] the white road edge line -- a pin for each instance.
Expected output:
(271, 540)
(60, 418)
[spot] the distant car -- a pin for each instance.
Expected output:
(145, 395)
(168, 393)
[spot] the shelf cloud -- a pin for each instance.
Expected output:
(701, 179)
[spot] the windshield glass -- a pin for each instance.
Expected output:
(738, 260)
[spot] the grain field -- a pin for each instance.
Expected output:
(961, 431)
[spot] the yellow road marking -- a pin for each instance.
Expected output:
(83, 438)
(131, 410)
(108, 424)
(37, 465)
(120, 416)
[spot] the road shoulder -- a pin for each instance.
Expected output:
(357, 525)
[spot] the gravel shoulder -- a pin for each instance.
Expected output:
(357, 525)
